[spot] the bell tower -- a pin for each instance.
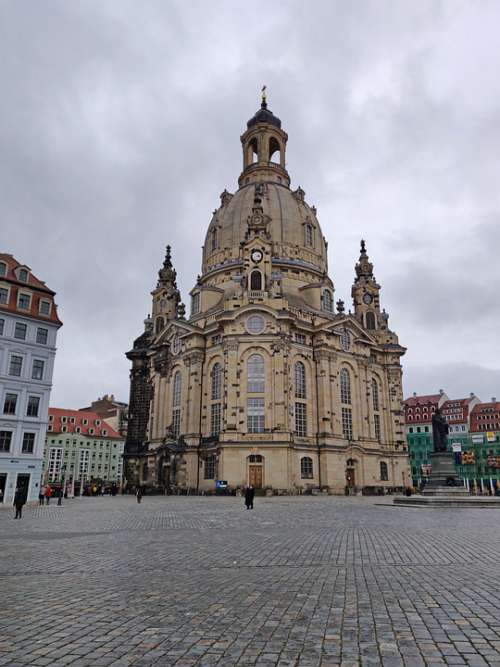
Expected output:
(166, 296)
(366, 294)
(264, 148)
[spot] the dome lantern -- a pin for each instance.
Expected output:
(264, 148)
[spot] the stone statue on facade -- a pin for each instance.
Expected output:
(440, 431)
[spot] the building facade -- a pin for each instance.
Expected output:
(266, 383)
(114, 412)
(28, 331)
(82, 447)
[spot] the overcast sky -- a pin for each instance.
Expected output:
(119, 128)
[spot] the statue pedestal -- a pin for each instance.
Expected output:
(443, 480)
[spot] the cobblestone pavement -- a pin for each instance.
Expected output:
(201, 581)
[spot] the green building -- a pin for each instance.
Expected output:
(82, 448)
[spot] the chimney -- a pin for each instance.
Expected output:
(493, 399)
(414, 394)
(472, 394)
(441, 392)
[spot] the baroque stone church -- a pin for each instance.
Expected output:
(267, 383)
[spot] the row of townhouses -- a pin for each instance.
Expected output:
(38, 444)
(474, 436)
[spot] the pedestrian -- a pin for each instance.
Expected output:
(48, 494)
(138, 494)
(59, 496)
(19, 500)
(41, 495)
(249, 496)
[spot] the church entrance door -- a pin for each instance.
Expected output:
(255, 476)
(350, 477)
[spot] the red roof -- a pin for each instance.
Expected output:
(34, 285)
(481, 408)
(422, 400)
(83, 420)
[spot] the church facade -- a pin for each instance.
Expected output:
(267, 383)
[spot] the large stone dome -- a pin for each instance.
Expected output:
(293, 227)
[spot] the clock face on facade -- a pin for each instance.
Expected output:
(256, 256)
(367, 298)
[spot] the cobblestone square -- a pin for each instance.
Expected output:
(201, 581)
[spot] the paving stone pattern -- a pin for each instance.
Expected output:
(300, 581)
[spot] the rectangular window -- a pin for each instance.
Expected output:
(215, 419)
(9, 404)
(37, 372)
(210, 468)
(4, 295)
(195, 304)
(44, 307)
(347, 423)
(20, 331)
(5, 440)
(376, 420)
(23, 301)
(3, 269)
(255, 415)
(42, 336)
(301, 419)
(176, 422)
(300, 338)
(55, 460)
(33, 406)
(28, 443)
(16, 365)
(2, 325)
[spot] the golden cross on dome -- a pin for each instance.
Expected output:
(264, 95)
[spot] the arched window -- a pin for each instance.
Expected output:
(300, 380)
(274, 147)
(375, 397)
(176, 404)
(309, 235)
(255, 458)
(370, 320)
(345, 386)
(214, 239)
(216, 382)
(327, 301)
(252, 153)
(256, 281)
(384, 474)
(216, 407)
(159, 324)
(256, 374)
(306, 467)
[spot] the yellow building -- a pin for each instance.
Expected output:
(266, 383)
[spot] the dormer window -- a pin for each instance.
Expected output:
(104, 432)
(64, 429)
(3, 269)
(64, 420)
(91, 431)
(23, 301)
(97, 422)
(51, 418)
(23, 275)
(85, 422)
(44, 307)
(78, 429)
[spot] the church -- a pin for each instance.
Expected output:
(268, 382)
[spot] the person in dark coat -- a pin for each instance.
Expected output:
(249, 496)
(138, 494)
(19, 500)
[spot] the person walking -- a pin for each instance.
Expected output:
(41, 495)
(19, 500)
(48, 494)
(138, 494)
(249, 496)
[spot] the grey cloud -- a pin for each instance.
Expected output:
(120, 124)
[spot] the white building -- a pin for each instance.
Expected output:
(28, 331)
